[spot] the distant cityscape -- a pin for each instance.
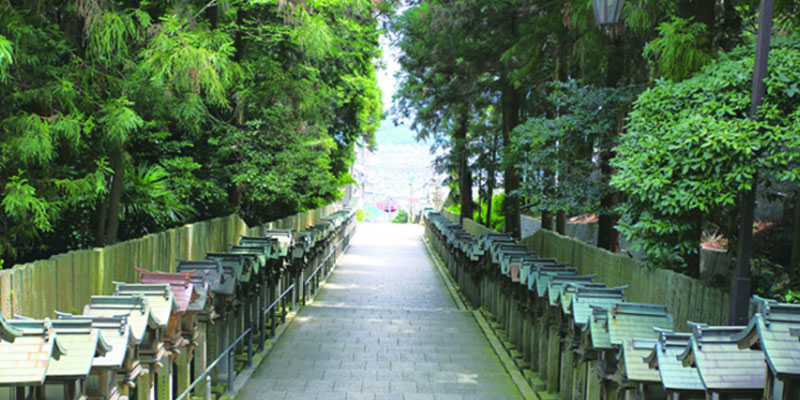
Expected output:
(398, 175)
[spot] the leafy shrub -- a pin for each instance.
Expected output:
(401, 217)
(498, 218)
(691, 150)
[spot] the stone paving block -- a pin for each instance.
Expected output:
(347, 386)
(388, 375)
(331, 396)
(383, 327)
(388, 396)
(274, 395)
(296, 396)
(360, 396)
(448, 396)
(375, 386)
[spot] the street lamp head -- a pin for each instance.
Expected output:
(607, 12)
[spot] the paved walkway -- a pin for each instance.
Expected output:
(382, 327)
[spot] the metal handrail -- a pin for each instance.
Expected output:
(226, 353)
(212, 366)
(325, 260)
(278, 300)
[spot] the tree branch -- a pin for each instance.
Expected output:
(197, 14)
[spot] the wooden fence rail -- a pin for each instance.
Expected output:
(66, 282)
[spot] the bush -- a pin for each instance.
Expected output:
(401, 217)
(360, 215)
(498, 219)
(454, 208)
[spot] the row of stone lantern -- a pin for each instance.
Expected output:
(151, 339)
(579, 339)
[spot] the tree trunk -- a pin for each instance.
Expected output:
(238, 41)
(561, 222)
(118, 165)
(510, 107)
(739, 305)
(739, 302)
(547, 220)
(490, 181)
(480, 201)
(692, 259)
(465, 177)
(489, 194)
(213, 16)
(607, 235)
(237, 196)
(100, 234)
(795, 263)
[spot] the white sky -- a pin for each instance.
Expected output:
(386, 74)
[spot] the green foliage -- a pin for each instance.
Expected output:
(21, 202)
(149, 203)
(454, 208)
(198, 110)
(312, 33)
(498, 219)
(401, 217)
(6, 56)
(691, 148)
(119, 121)
(555, 156)
(360, 214)
(773, 281)
(191, 61)
(680, 49)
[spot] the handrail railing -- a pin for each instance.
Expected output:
(325, 260)
(205, 376)
(213, 365)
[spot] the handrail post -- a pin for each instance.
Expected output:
(285, 280)
(272, 323)
(208, 387)
(262, 329)
(297, 296)
(229, 360)
(250, 345)
(296, 279)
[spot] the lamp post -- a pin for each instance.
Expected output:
(739, 306)
(410, 201)
(607, 12)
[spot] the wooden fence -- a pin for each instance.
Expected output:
(686, 298)
(66, 282)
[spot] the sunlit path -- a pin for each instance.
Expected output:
(382, 327)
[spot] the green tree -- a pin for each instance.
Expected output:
(134, 116)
